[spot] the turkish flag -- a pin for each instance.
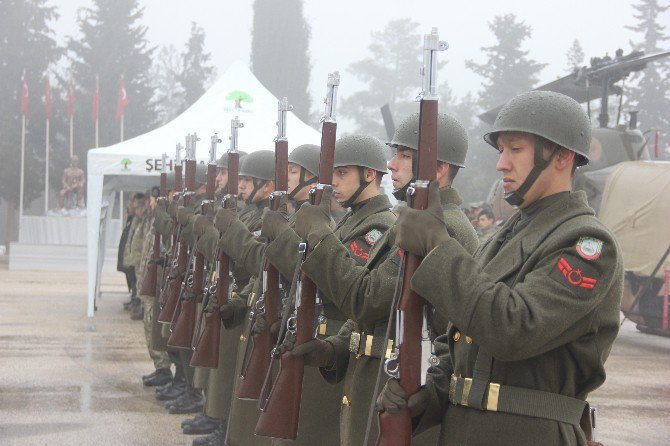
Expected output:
(70, 99)
(24, 95)
(96, 101)
(122, 99)
(47, 100)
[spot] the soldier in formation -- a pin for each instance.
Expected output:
(521, 324)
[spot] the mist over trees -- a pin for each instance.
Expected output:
(112, 43)
(27, 42)
(650, 93)
(196, 71)
(280, 57)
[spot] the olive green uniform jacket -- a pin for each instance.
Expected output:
(365, 294)
(535, 301)
(319, 404)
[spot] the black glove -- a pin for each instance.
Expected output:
(393, 399)
(420, 231)
(317, 353)
(224, 218)
(227, 312)
(312, 222)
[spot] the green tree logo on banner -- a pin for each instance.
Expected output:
(239, 97)
(125, 163)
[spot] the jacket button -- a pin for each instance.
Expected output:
(345, 401)
(468, 339)
(457, 336)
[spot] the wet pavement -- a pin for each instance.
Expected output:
(61, 384)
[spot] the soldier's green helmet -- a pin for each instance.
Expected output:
(223, 161)
(553, 116)
(362, 151)
(452, 139)
(259, 164)
(306, 156)
(200, 174)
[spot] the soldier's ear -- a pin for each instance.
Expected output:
(564, 159)
(370, 174)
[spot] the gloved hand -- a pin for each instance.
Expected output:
(202, 222)
(183, 215)
(393, 399)
(224, 218)
(227, 312)
(312, 223)
(261, 324)
(274, 223)
(317, 353)
(420, 231)
(162, 203)
(172, 208)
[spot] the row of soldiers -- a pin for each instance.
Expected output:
(520, 325)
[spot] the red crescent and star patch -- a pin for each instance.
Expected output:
(575, 274)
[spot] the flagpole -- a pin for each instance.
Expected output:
(71, 136)
(23, 147)
(121, 128)
(46, 174)
(96, 132)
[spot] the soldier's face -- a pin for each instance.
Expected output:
(294, 180)
(517, 159)
(245, 187)
(222, 179)
(345, 182)
(401, 167)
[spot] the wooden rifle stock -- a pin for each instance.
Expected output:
(252, 375)
(206, 351)
(280, 416)
(396, 429)
(182, 333)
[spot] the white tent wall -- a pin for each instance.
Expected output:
(135, 164)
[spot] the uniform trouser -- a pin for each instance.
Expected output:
(132, 280)
(160, 358)
(221, 379)
(189, 372)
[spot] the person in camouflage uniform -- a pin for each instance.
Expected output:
(365, 292)
(535, 311)
(162, 374)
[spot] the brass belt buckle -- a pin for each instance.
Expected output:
(354, 343)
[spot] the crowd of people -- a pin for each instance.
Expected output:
(522, 317)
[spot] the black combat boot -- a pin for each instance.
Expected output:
(192, 403)
(162, 377)
(137, 310)
(201, 425)
(171, 391)
(216, 438)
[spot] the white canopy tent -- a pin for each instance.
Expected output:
(134, 164)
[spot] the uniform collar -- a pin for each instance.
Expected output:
(449, 195)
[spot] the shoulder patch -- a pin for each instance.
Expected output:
(575, 274)
(589, 248)
(358, 251)
(372, 237)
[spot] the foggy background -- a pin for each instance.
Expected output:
(170, 52)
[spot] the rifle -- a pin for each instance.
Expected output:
(258, 348)
(171, 288)
(405, 363)
(206, 352)
(184, 316)
(279, 417)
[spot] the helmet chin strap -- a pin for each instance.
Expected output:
(362, 184)
(258, 184)
(515, 198)
(301, 184)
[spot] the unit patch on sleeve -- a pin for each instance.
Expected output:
(372, 237)
(358, 251)
(589, 248)
(575, 274)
